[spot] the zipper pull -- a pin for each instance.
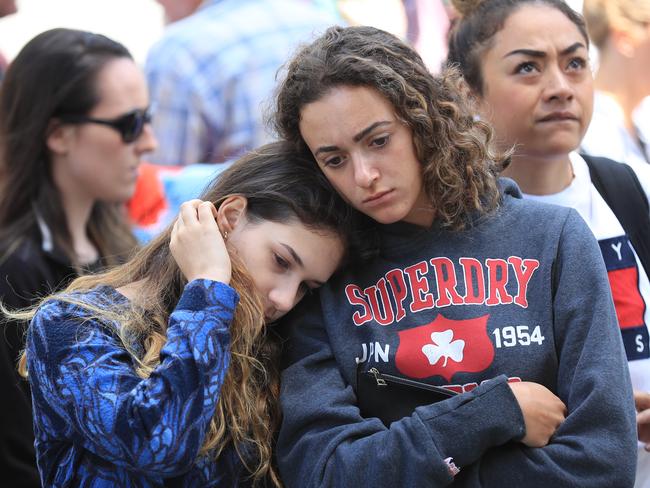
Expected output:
(380, 381)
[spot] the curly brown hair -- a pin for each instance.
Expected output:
(459, 164)
(280, 186)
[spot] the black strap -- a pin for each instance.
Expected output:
(642, 144)
(620, 188)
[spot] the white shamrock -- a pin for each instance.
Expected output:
(443, 345)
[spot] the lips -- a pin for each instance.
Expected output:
(558, 117)
(376, 196)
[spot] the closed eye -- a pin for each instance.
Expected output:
(281, 262)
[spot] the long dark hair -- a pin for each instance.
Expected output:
(280, 186)
(480, 21)
(54, 73)
(458, 161)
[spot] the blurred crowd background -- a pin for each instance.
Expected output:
(136, 23)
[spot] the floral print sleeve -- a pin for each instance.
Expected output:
(90, 404)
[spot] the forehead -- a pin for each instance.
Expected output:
(535, 26)
(121, 85)
(344, 111)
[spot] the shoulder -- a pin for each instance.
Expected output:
(519, 212)
(63, 317)
(606, 135)
(25, 273)
(642, 172)
(21, 253)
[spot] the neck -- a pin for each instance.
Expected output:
(625, 90)
(540, 176)
(422, 213)
(77, 213)
(77, 206)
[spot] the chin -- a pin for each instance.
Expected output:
(565, 142)
(550, 148)
(118, 198)
(387, 218)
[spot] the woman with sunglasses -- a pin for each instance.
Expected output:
(162, 371)
(73, 128)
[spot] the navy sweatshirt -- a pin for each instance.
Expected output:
(520, 296)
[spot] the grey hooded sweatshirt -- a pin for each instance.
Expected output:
(522, 295)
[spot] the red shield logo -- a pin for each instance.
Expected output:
(444, 347)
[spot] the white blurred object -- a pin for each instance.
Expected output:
(575, 4)
(432, 28)
(136, 24)
(388, 15)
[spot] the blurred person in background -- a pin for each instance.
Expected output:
(428, 28)
(74, 125)
(423, 23)
(178, 9)
(535, 86)
(212, 73)
(620, 29)
(7, 7)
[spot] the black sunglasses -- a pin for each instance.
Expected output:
(129, 125)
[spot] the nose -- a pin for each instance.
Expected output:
(283, 298)
(558, 86)
(147, 141)
(365, 172)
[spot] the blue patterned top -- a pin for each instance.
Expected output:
(98, 424)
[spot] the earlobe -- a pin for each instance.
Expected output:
(624, 42)
(57, 137)
(483, 110)
(231, 213)
(481, 106)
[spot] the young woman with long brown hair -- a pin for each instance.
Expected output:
(164, 367)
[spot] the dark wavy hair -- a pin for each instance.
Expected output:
(459, 164)
(54, 73)
(480, 21)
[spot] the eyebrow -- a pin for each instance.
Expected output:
(356, 138)
(294, 255)
(297, 259)
(541, 54)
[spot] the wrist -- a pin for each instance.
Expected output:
(220, 276)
